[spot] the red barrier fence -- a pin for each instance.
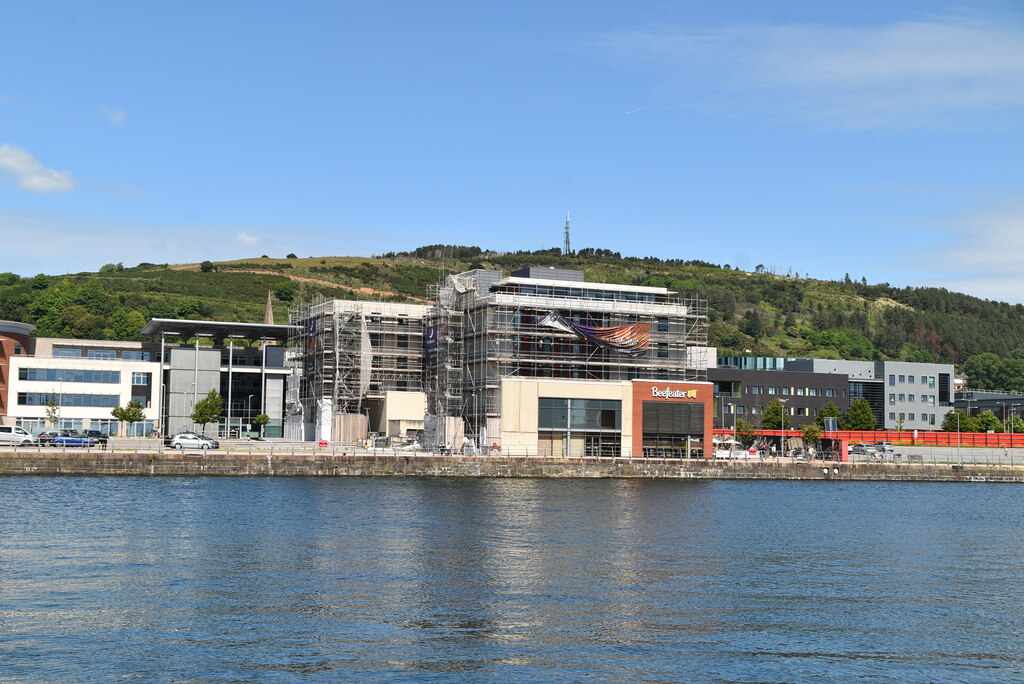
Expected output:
(906, 437)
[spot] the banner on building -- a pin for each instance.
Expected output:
(631, 339)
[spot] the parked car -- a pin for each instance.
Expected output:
(190, 440)
(98, 435)
(18, 436)
(863, 449)
(884, 447)
(66, 438)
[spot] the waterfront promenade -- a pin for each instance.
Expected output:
(261, 459)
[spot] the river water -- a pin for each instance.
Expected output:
(377, 579)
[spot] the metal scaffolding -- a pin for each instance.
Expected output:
(489, 328)
(353, 352)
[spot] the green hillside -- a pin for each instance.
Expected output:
(764, 313)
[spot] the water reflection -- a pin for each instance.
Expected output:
(378, 579)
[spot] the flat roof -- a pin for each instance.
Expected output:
(218, 329)
(586, 284)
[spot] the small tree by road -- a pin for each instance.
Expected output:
(132, 412)
(745, 432)
(52, 410)
(207, 410)
(259, 421)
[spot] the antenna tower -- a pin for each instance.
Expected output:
(565, 249)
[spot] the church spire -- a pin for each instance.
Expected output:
(268, 315)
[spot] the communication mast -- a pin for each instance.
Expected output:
(565, 249)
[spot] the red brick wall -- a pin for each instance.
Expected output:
(7, 342)
(642, 391)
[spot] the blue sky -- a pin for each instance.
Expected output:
(878, 139)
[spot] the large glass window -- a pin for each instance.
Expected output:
(66, 353)
(42, 399)
(105, 354)
(140, 378)
(69, 375)
(135, 355)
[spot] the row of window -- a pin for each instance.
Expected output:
(925, 398)
(586, 293)
(758, 410)
(105, 354)
(92, 400)
(69, 375)
(926, 418)
(796, 391)
(928, 380)
(79, 375)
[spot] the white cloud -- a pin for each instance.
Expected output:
(248, 240)
(946, 71)
(31, 175)
(113, 115)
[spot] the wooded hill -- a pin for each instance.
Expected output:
(767, 314)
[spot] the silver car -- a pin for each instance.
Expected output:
(190, 440)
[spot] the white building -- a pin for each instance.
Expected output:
(86, 379)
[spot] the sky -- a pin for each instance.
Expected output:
(877, 139)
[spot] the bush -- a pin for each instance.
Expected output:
(206, 266)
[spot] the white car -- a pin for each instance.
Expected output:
(190, 440)
(12, 434)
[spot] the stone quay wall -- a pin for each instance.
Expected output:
(176, 463)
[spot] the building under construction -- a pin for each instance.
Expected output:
(543, 361)
(486, 330)
(359, 369)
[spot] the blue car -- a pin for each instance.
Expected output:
(66, 438)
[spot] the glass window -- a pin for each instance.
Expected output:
(812, 391)
(910, 379)
(903, 397)
(662, 350)
(130, 355)
(931, 381)
(140, 378)
(931, 400)
(892, 399)
(43, 398)
(830, 392)
(800, 391)
(892, 380)
(924, 379)
(903, 378)
(892, 415)
(910, 397)
(910, 416)
(102, 354)
(69, 375)
(66, 353)
(785, 391)
(662, 325)
(403, 340)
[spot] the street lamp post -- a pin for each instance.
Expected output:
(248, 410)
(1012, 406)
(782, 426)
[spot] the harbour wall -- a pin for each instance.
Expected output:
(176, 463)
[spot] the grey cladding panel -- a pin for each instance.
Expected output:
(673, 418)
